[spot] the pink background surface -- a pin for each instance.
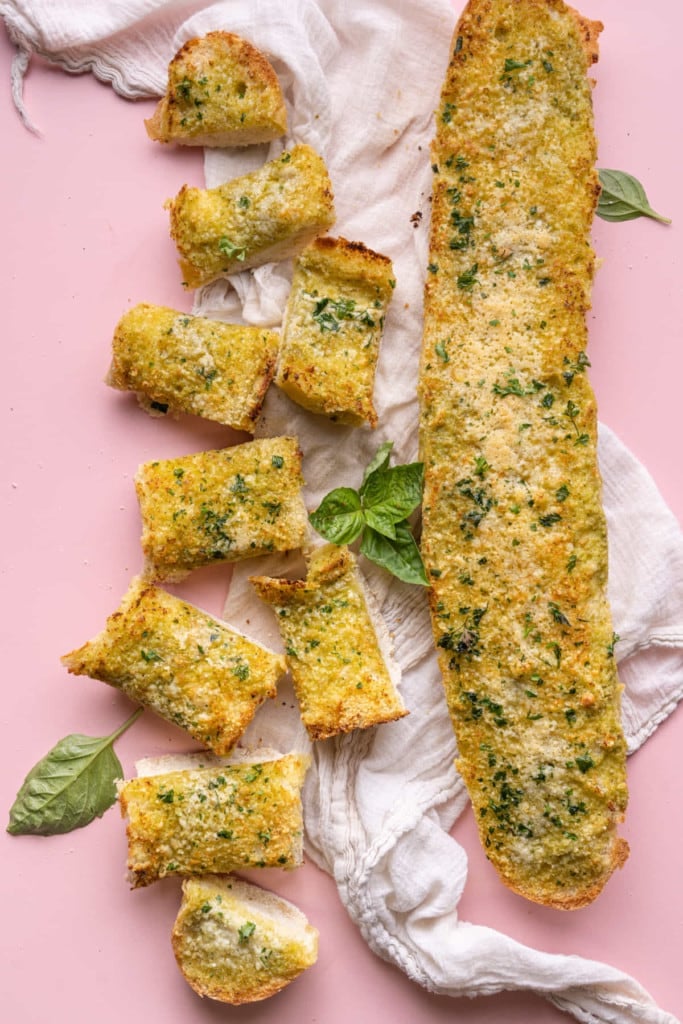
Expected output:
(85, 237)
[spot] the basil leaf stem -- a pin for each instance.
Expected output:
(73, 784)
(623, 198)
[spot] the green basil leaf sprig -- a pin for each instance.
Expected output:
(623, 198)
(71, 786)
(378, 513)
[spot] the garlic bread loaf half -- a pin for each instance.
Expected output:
(222, 505)
(199, 815)
(268, 215)
(188, 667)
(238, 943)
(221, 91)
(332, 329)
(180, 363)
(337, 647)
(514, 536)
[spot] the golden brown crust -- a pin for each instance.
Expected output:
(221, 91)
(514, 534)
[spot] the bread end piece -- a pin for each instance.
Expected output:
(221, 91)
(238, 943)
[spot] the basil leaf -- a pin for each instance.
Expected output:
(380, 459)
(392, 494)
(623, 198)
(339, 517)
(400, 556)
(73, 784)
(381, 519)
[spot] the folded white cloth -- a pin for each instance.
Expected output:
(361, 83)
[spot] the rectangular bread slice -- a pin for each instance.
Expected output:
(220, 505)
(514, 533)
(332, 329)
(190, 668)
(343, 673)
(214, 819)
(238, 943)
(268, 215)
(221, 91)
(182, 363)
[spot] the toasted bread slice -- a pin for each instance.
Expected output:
(514, 535)
(344, 675)
(238, 943)
(268, 215)
(221, 91)
(190, 668)
(332, 329)
(220, 505)
(181, 363)
(212, 816)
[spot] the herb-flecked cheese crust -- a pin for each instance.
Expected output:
(215, 820)
(333, 327)
(222, 505)
(238, 943)
(339, 668)
(268, 215)
(514, 533)
(182, 363)
(190, 668)
(221, 91)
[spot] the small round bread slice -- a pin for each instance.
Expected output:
(221, 91)
(238, 943)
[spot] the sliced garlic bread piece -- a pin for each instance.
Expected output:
(221, 91)
(214, 816)
(338, 652)
(238, 943)
(267, 215)
(332, 329)
(222, 505)
(191, 669)
(182, 363)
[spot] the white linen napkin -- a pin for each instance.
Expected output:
(361, 84)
